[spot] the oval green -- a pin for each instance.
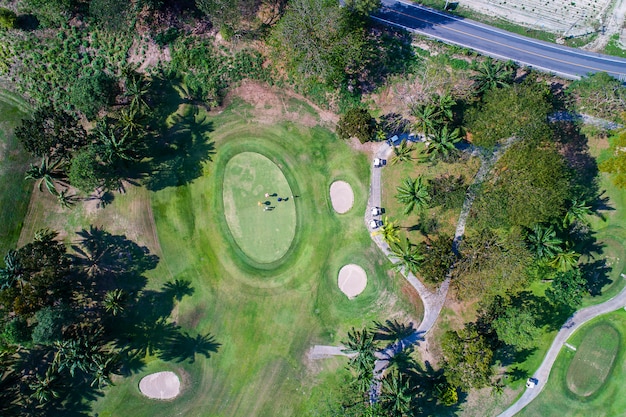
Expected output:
(593, 361)
(263, 227)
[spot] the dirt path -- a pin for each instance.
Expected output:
(571, 325)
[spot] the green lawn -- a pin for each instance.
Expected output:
(261, 225)
(14, 190)
(265, 315)
(593, 360)
(557, 398)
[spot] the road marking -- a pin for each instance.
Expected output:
(491, 41)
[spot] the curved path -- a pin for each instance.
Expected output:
(571, 325)
(562, 60)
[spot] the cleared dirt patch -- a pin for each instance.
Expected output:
(341, 196)
(352, 280)
(161, 385)
(593, 360)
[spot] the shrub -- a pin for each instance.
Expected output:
(356, 122)
(7, 18)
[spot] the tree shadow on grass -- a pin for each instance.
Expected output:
(183, 150)
(182, 346)
(178, 288)
(597, 274)
(103, 256)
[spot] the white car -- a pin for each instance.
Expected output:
(379, 162)
(377, 211)
(375, 224)
(532, 382)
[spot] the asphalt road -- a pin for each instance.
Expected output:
(564, 61)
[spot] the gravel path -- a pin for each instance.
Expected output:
(571, 325)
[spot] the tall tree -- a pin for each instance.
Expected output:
(438, 258)
(567, 289)
(413, 194)
(442, 144)
(492, 74)
(51, 133)
(543, 242)
(402, 153)
(408, 256)
(48, 173)
(467, 358)
(397, 395)
(517, 327)
(389, 231)
(362, 345)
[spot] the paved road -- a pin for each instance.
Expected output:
(571, 325)
(564, 61)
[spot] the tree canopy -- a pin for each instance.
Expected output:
(520, 110)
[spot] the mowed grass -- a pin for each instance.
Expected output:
(263, 227)
(607, 399)
(15, 191)
(265, 316)
(593, 360)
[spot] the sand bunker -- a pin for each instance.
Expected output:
(352, 280)
(162, 385)
(341, 196)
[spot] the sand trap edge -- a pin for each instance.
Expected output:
(341, 196)
(352, 280)
(160, 385)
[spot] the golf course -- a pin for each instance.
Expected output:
(262, 283)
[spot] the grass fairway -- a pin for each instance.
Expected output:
(600, 356)
(262, 227)
(265, 315)
(14, 190)
(593, 360)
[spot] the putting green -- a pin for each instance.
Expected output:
(593, 360)
(262, 227)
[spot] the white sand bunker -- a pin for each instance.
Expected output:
(341, 196)
(162, 385)
(352, 280)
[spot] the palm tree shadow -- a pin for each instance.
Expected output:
(178, 288)
(185, 149)
(181, 346)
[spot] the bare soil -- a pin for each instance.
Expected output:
(272, 105)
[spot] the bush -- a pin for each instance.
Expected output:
(49, 326)
(7, 18)
(16, 331)
(92, 93)
(356, 122)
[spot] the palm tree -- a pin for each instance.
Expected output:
(565, 261)
(47, 173)
(115, 301)
(426, 118)
(362, 345)
(397, 394)
(389, 231)
(544, 242)
(443, 144)
(408, 256)
(413, 193)
(64, 199)
(116, 145)
(401, 153)
(44, 387)
(12, 272)
(578, 211)
(492, 74)
(129, 121)
(137, 89)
